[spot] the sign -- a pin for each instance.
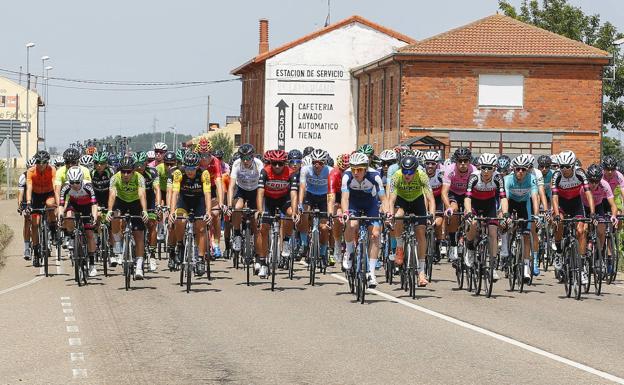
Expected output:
(8, 149)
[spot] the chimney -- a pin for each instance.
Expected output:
(263, 45)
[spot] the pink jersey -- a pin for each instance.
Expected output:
(601, 192)
(617, 179)
(457, 182)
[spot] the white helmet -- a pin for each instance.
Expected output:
(150, 154)
(318, 155)
(521, 160)
(487, 159)
(567, 158)
(306, 161)
(418, 154)
(531, 159)
(358, 159)
(448, 162)
(554, 159)
(86, 160)
(74, 174)
(31, 162)
(431, 156)
(160, 146)
(388, 155)
(58, 161)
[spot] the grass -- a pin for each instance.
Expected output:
(6, 233)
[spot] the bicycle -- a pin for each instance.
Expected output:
(546, 247)
(104, 250)
(162, 229)
(247, 250)
(314, 252)
(430, 256)
(274, 249)
(128, 249)
(461, 270)
(356, 276)
(572, 260)
(515, 265)
(79, 252)
(44, 236)
(386, 250)
(484, 264)
(409, 269)
(611, 252)
(188, 249)
(594, 262)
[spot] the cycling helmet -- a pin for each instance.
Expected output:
(487, 159)
(306, 161)
(594, 172)
(409, 163)
(609, 162)
(388, 156)
(151, 155)
(139, 158)
(295, 154)
(113, 159)
(531, 159)
(191, 159)
(554, 159)
(218, 154)
(400, 148)
(179, 154)
(86, 161)
(448, 162)
(276, 156)
(418, 154)
(358, 159)
(160, 146)
(235, 156)
(544, 161)
(100, 157)
(521, 160)
(126, 163)
(475, 161)
(31, 162)
(329, 161)
(169, 157)
(42, 156)
(503, 163)
(319, 155)
(431, 156)
(203, 146)
(74, 174)
(342, 161)
(462, 153)
(366, 149)
(71, 155)
(307, 151)
(246, 150)
(59, 161)
(567, 158)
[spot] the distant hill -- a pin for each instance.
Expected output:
(142, 142)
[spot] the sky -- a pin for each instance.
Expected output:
(187, 41)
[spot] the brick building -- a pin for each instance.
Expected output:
(495, 85)
(302, 93)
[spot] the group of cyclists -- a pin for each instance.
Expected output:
(160, 188)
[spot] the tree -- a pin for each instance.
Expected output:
(613, 147)
(221, 141)
(564, 19)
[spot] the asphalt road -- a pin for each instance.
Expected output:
(54, 332)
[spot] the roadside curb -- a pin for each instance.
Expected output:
(6, 234)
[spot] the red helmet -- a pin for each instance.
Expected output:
(276, 156)
(343, 161)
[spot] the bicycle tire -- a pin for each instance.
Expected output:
(575, 269)
(612, 260)
(488, 273)
(430, 254)
(478, 268)
(127, 262)
(291, 258)
(247, 253)
(85, 269)
(45, 251)
(412, 268)
(520, 263)
(363, 268)
(598, 270)
(274, 255)
(189, 253)
(312, 256)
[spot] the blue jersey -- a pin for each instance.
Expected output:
(520, 191)
(367, 191)
(315, 184)
(547, 183)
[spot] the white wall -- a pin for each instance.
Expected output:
(314, 81)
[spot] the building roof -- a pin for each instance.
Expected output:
(499, 35)
(350, 20)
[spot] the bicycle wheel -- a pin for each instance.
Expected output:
(477, 268)
(430, 254)
(489, 264)
(362, 275)
(291, 258)
(413, 269)
(598, 269)
(459, 274)
(313, 256)
(45, 251)
(189, 254)
(520, 264)
(127, 261)
(612, 253)
(511, 265)
(247, 253)
(274, 256)
(575, 269)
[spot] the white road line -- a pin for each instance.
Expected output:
(70, 319)
(72, 328)
(21, 285)
(79, 373)
(66, 304)
(76, 357)
(65, 298)
(68, 311)
(494, 335)
(75, 342)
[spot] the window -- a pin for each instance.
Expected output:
(237, 139)
(2, 101)
(501, 90)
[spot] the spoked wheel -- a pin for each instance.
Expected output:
(127, 264)
(313, 257)
(598, 270)
(459, 274)
(189, 253)
(274, 256)
(349, 274)
(362, 286)
(430, 255)
(520, 264)
(575, 269)
(611, 254)
(389, 270)
(488, 272)
(477, 269)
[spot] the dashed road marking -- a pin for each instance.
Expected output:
(75, 342)
(65, 298)
(68, 311)
(66, 304)
(72, 329)
(70, 319)
(79, 373)
(76, 357)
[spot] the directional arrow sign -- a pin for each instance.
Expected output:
(281, 124)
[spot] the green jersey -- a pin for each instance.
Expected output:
(409, 191)
(162, 176)
(127, 192)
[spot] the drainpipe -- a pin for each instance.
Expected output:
(357, 113)
(399, 101)
(368, 109)
(383, 113)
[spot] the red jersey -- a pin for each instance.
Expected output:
(214, 169)
(277, 186)
(334, 181)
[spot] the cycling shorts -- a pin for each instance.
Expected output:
(367, 208)
(39, 200)
(485, 208)
(132, 208)
(246, 196)
(102, 198)
(572, 207)
(416, 207)
(521, 210)
(82, 210)
(599, 209)
(315, 201)
(271, 206)
(185, 204)
(459, 199)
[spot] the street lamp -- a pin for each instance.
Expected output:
(47, 74)
(175, 144)
(44, 95)
(28, 47)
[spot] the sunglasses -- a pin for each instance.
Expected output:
(101, 163)
(318, 163)
(523, 169)
(159, 152)
(357, 169)
(75, 182)
(487, 168)
(594, 181)
(42, 162)
(609, 169)
(566, 167)
(246, 157)
(295, 161)
(408, 171)
(431, 164)
(387, 163)
(277, 164)
(463, 161)
(190, 168)
(126, 172)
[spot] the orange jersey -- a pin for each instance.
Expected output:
(41, 182)
(225, 179)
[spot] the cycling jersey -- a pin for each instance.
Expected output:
(479, 189)
(315, 184)
(599, 193)
(61, 175)
(277, 186)
(162, 176)
(170, 176)
(409, 191)
(435, 182)
(127, 192)
(247, 178)
(617, 179)
(214, 168)
(41, 181)
(334, 182)
(548, 183)
(21, 183)
(456, 180)
(539, 177)
(191, 187)
(369, 189)
(520, 191)
(568, 188)
(83, 197)
(101, 185)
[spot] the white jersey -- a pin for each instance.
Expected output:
(247, 178)
(539, 177)
(21, 183)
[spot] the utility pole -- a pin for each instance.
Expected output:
(208, 115)
(154, 131)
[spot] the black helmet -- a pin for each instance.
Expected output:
(308, 150)
(295, 154)
(462, 153)
(235, 156)
(169, 157)
(71, 155)
(127, 163)
(218, 154)
(191, 159)
(609, 162)
(544, 161)
(409, 163)
(42, 156)
(330, 161)
(246, 150)
(594, 172)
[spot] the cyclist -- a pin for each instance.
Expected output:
(191, 191)
(313, 183)
(58, 162)
(294, 161)
(485, 190)
(243, 189)
(39, 195)
(435, 173)
(544, 162)
(387, 158)
(160, 149)
(604, 201)
(102, 174)
(71, 157)
(369, 151)
(454, 184)
(614, 178)
(79, 197)
(409, 189)
(169, 161)
(225, 181)
(127, 195)
(362, 190)
(541, 190)
(522, 197)
(334, 197)
(21, 205)
(277, 192)
(568, 184)
(152, 196)
(87, 161)
(503, 166)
